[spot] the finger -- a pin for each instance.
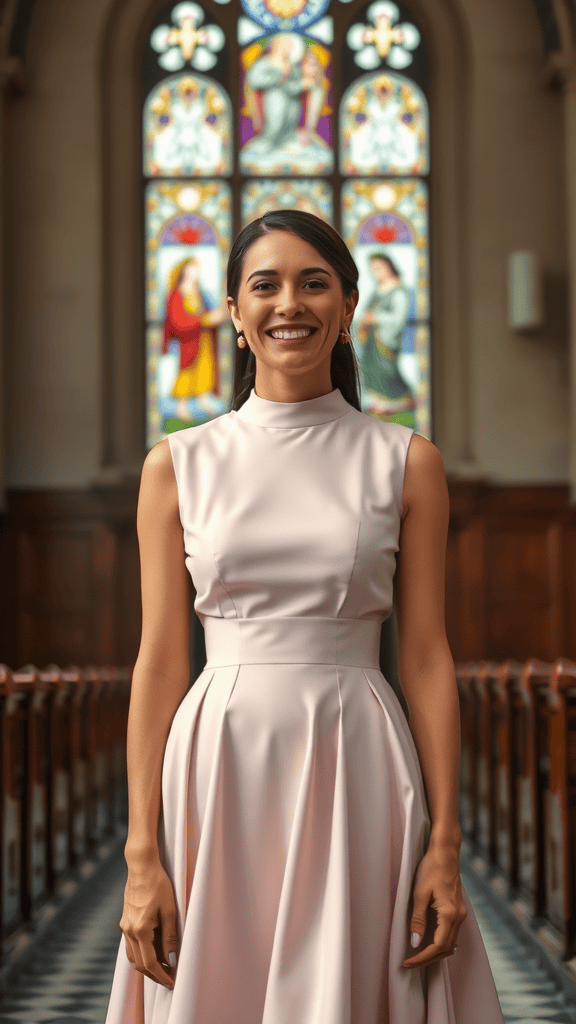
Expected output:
(169, 939)
(150, 961)
(129, 951)
(154, 969)
(136, 961)
(428, 956)
(442, 944)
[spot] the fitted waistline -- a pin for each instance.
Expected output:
(293, 639)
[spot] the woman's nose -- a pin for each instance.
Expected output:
(289, 301)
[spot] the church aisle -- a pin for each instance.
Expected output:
(69, 981)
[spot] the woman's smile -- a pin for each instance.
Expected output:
(288, 335)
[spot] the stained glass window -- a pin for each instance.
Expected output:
(286, 117)
(262, 195)
(255, 105)
(187, 128)
(383, 126)
(188, 240)
(385, 225)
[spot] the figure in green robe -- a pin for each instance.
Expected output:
(383, 327)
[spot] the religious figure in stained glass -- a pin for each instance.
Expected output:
(386, 226)
(383, 40)
(383, 127)
(187, 125)
(189, 312)
(188, 336)
(285, 91)
(382, 330)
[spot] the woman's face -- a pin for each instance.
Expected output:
(289, 293)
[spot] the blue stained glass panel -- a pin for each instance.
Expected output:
(385, 225)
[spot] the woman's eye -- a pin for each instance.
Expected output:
(261, 286)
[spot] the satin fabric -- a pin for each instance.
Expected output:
(294, 813)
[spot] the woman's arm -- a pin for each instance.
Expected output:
(426, 667)
(161, 672)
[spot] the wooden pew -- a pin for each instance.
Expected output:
(62, 779)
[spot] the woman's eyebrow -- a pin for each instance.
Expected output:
(275, 273)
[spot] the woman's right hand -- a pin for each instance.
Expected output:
(149, 922)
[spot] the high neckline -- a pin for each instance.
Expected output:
(265, 413)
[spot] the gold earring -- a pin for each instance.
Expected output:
(344, 334)
(242, 343)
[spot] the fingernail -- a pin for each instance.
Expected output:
(414, 939)
(172, 960)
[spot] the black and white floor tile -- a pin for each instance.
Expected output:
(69, 980)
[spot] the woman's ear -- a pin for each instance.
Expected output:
(234, 316)
(350, 306)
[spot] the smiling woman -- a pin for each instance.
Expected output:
(290, 271)
(284, 819)
(290, 307)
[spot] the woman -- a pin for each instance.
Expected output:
(187, 312)
(280, 849)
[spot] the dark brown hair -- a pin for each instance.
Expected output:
(343, 367)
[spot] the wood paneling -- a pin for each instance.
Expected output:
(74, 578)
(71, 577)
(511, 585)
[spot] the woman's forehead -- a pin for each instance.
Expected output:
(282, 251)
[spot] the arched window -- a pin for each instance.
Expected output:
(255, 105)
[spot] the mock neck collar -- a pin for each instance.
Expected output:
(265, 413)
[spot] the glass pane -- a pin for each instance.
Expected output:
(187, 40)
(258, 197)
(385, 224)
(383, 35)
(290, 15)
(286, 119)
(383, 126)
(187, 128)
(188, 233)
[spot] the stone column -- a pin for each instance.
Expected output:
(12, 84)
(561, 73)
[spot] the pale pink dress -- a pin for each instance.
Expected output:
(294, 811)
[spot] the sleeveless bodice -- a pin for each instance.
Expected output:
(314, 487)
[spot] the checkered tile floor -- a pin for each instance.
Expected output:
(69, 981)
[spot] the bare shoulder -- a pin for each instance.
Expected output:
(158, 490)
(424, 476)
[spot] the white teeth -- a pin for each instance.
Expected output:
(288, 335)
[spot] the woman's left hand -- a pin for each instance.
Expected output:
(437, 881)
